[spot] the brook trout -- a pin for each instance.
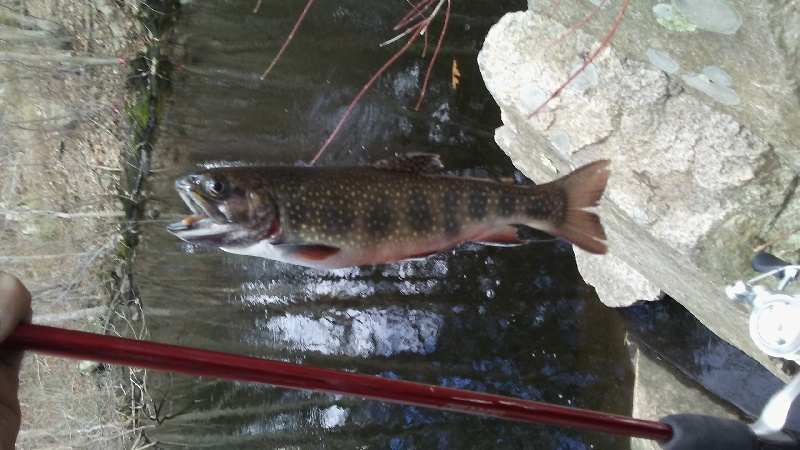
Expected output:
(393, 210)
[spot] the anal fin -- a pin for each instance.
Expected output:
(502, 236)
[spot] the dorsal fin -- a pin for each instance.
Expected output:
(411, 162)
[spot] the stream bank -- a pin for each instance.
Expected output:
(71, 197)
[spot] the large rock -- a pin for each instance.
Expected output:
(704, 158)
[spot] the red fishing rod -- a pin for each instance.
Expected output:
(190, 361)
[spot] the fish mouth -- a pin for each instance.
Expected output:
(207, 223)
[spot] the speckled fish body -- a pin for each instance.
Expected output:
(395, 210)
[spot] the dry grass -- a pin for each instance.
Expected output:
(60, 149)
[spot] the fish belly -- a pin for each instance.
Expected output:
(377, 252)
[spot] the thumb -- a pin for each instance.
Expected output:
(15, 304)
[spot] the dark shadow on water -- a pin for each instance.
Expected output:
(669, 330)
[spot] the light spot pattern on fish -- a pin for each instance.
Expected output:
(336, 217)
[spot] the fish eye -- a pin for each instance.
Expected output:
(216, 186)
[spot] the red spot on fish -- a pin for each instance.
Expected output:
(314, 252)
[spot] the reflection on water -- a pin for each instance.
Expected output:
(509, 321)
(539, 335)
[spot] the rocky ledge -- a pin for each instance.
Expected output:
(698, 123)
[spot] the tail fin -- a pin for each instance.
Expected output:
(582, 189)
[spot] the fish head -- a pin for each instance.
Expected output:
(229, 209)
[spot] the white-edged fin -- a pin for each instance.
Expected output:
(502, 236)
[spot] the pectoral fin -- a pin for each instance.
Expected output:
(309, 252)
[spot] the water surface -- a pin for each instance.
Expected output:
(510, 321)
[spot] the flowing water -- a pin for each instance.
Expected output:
(510, 321)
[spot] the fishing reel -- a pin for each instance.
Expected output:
(775, 328)
(775, 314)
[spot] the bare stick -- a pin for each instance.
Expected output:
(397, 38)
(65, 59)
(63, 215)
(72, 315)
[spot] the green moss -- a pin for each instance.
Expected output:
(677, 23)
(149, 79)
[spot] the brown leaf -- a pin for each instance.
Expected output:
(456, 74)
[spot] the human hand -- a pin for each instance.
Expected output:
(15, 307)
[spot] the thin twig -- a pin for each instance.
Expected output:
(435, 51)
(78, 276)
(554, 8)
(577, 26)
(72, 315)
(65, 59)
(415, 13)
(288, 39)
(397, 38)
(772, 242)
(363, 90)
(415, 30)
(63, 215)
(588, 61)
